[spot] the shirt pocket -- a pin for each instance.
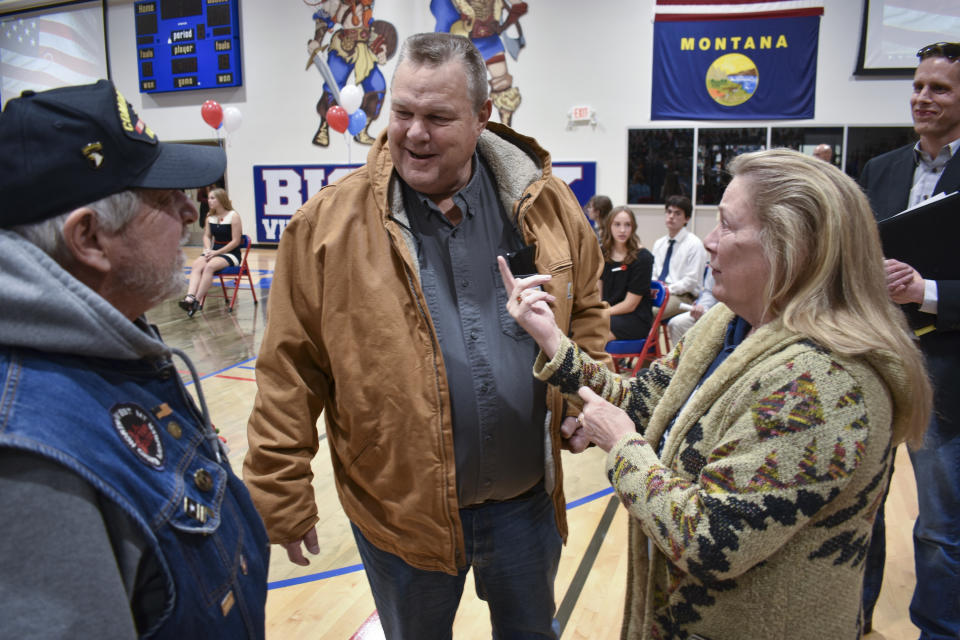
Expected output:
(508, 325)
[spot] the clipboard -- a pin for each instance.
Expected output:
(926, 236)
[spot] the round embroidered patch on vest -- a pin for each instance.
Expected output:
(138, 431)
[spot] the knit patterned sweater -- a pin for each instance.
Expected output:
(754, 521)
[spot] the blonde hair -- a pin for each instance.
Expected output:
(222, 198)
(827, 279)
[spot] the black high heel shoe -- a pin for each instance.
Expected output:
(190, 304)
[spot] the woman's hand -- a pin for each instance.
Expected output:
(530, 307)
(603, 423)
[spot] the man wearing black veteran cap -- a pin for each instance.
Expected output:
(121, 515)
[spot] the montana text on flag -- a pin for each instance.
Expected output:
(734, 60)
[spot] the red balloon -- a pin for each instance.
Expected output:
(212, 113)
(338, 118)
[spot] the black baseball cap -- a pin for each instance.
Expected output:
(71, 146)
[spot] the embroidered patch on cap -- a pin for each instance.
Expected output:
(132, 125)
(138, 430)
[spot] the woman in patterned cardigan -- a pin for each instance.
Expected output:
(752, 459)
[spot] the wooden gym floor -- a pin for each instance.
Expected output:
(330, 598)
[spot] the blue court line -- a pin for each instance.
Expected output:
(589, 498)
(290, 582)
(323, 575)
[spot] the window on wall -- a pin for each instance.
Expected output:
(806, 139)
(864, 143)
(715, 149)
(658, 164)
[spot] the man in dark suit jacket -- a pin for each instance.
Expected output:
(894, 181)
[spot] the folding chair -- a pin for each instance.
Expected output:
(236, 274)
(632, 355)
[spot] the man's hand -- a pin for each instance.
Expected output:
(574, 439)
(696, 311)
(309, 540)
(904, 283)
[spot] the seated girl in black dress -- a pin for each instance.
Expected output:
(627, 272)
(222, 236)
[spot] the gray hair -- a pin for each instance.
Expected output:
(435, 49)
(113, 213)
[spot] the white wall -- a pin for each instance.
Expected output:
(577, 53)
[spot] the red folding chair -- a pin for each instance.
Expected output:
(236, 274)
(631, 355)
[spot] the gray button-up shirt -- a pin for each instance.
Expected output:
(499, 408)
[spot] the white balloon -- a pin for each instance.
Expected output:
(350, 98)
(232, 119)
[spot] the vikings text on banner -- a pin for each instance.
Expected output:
(734, 67)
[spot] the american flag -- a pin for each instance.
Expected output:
(679, 10)
(52, 50)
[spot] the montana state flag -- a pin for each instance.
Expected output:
(735, 59)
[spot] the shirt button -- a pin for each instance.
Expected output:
(473, 335)
(202, 479)
(173, 428)
(464, 283)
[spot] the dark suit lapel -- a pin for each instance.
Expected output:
(950, 180)
(891, 186)
(905, 167)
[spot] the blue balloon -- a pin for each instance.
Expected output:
(358, 120)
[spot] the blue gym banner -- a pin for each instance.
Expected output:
(734, 66)
(279, 190)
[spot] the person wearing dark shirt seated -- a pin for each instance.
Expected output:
(627, 271)
(222, 237)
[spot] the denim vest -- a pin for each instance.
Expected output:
(130, 429)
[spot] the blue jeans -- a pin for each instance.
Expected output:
(935, 608)
(513, 548)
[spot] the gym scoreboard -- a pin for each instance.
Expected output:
(188, 44)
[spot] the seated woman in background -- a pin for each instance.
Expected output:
(597, 209)
(752, 459)
(222, 237)
(627, 270)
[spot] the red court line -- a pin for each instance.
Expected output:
(369, 630)
(236, 378)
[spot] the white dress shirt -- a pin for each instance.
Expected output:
(687, 262)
